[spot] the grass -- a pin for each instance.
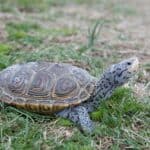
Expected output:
(35, 32)
(93, 33)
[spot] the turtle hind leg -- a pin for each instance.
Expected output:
(79, 116)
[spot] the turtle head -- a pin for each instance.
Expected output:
(121, 72)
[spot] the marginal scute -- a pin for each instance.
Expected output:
(80, 75)
(6, 98)
(19, 100)
(58, 69)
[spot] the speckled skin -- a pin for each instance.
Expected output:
(113, 77)
(62, 89)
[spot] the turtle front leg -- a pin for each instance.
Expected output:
(79, 116)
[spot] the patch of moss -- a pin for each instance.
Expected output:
(17, 35)
(5, 48)
(23, 26)
(4, 61)
(64, 122)
(21, 33)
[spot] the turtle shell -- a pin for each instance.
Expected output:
(45, 87)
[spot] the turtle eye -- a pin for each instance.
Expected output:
(128, 63)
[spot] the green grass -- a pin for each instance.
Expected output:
(35, 32)
(93, 33)
(21, 33)
(147, 66)
(4, 48)
(36, 5)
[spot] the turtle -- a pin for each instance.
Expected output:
(62, 89)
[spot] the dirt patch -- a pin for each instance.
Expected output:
(104, 143)
(57, 132)
(3, 33)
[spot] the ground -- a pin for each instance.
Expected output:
(89, 34)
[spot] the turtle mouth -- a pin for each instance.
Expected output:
(134, 64)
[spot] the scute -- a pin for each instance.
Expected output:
(65, 86)
(41, 85)
(45, 87)
(18, 83)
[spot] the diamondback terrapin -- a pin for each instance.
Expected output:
(62, 89)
